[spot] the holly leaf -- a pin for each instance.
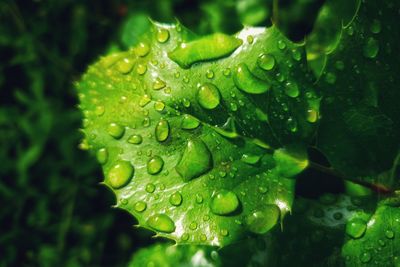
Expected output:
(200, 137)
(360, 126)
(374, 240)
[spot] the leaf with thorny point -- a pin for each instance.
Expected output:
(360, 126)
(200, 137)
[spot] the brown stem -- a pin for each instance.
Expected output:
(377, 188)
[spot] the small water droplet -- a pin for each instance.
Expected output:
(224, 202)
(296, 54)
(150, 188)
(371, 48)
(365, 257)
(250, 39)
(249, 83)
(356, 228)
(102, 155)
(158, 84)
(266, 61)
(162, 130)
(203, 237)
(291, 124)
(193, 226)
(120, 174)
(155, 165)
(144, 100)
(250, 159)
(189, 122)
(115, 130)
(312, 115)
(162, 35)
(330, 78)
(185, 237)
(208, 96)
(140, 206)
(199, 199)
(161, 222)
(135, 139)
(281, 44)
(141, 69)
(176, 199)
(224, 232)
(125, 65)
(292, 89)
(99, 111)
(375, 26)
(389, 234)
(142, 49)
(159, 106)
(209, 74)
(263, 219)
(227, 72)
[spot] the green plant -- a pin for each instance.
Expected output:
(201, 137)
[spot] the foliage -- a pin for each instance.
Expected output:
(54, 213)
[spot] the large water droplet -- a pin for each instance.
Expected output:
(162, 223)
(208, 96)
(209, 47)
(102, 155)
(155, 165)
(189, 122)
(371, 48)
(224, 202)
(120, 174)
(196, 160)
(262, 220)
(292, 89)
(356, 228)
(115, 130)
(176, 199)
(162, 130)
(249, 83)
(266, 61)
(162, 35)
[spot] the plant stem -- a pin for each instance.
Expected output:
(275, 10)
(377, 188)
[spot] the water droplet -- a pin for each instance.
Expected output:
(224, 232)
(162, 130)
(186, 102)
(203, 237)
(389, 234)
(281, 44)
(155, 165)
(266, 61)
(291, 124)
(125, 65)
(292, 89)
(208, 96)
(365, 257)
(330, 78)
(99, 111)
(356, 228)
(193, 226)
(161, 222)
(189, 122)
(159, 106)
(250, 159)
(162, 35)
(312, 115)
(250, 39)
(144, 100)
(227, 72)
(209, 47)
(140, 206)
(102, 155)
(224, 202)
(135, 139)
(199, 199)
(210, 74)
(196, 160)
(249, 83)
(142, 49)
(262, 220)
(371, 48)
(176, 199)
(115, 130)
(141, 69)
(120, 174)
(158, 84)
(185, 237)
(296, 54)
(262, 189)
(150, 188)
(375, 26)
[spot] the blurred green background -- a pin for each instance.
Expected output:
(53, 210)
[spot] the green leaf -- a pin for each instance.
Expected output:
(361, 119)
(374, 241)
(195, 153)
(167, 255)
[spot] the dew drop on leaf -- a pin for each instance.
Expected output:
(250, 159)
(292, 89)
(162, 35)
(162, 130)
(371, 48)
(158, 84)
(120, 174)
(141, 68)
(281, 44)
(224, 202)
(209, 74)
(189, 122)
(155, 165)
(356, 228)
(389, 234)
(142, 49)
(208, 96)
(266, 61)
(115, 130)
(263, 219)
(102, 156)
(291, 124)
(150, 188)
(144, 100)
(161, 222)
(176, 199)
(312, 115)
(195, 161)
(99, 111)
(159, 106)
(125, 65)
(375, 26)
(249, 83)
(140, 206)
(135, 139)
(365, 257)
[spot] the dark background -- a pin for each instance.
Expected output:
(53, 210)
